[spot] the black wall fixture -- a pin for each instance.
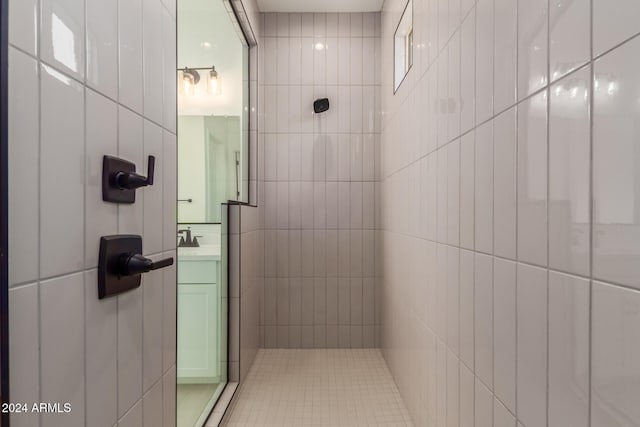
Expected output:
(120, 180)
(121, 264)
(321, 105)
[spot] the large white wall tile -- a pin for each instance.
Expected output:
(453, 193)
(169, 69)
(23, 162)
(62, 348)
(23, 23)
(133, 418)
(615, 362)
(467, 72)
(501, 415)
(102, 46)
(532, 46)
(467, 191)
(467, 308)
(169, 190)
(152, 41)
(504, 332)
(467, 397)
(532, 180)
(453, 299)
(532, 345)
(442, 116)
(483, 405)
(615, 178)
(442, 195)
(505, 54)
(484, 189)
(568, 350)
(152, 406)
(130, 338)
(504, 185)
(168, 315)
(613, 23)
(453, 389)
(169, 398)
(569, 36)
(484, 60)
(569, 174)
(130, 44)
(101, 329)
(453, 119)
(24, 370)
(62, 35)
(483, 310)
(61, 160)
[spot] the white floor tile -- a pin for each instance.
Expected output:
(319, 387)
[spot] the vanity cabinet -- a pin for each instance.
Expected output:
(198, 320)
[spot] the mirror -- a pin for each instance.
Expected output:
(403, 46)
(213, 118)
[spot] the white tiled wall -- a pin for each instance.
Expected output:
(509, 213)
(89, 78)
(318, 178)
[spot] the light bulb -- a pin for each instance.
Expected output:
(215, 83)
(188, 85)
(189, 78)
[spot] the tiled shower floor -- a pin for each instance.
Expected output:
(319, 388)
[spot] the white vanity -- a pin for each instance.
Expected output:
(199, 315)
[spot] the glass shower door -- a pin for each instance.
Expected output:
(213, 90)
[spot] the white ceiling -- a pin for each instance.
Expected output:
(320, 5)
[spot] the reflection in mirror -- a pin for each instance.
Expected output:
(209, 166)
(403, 46)
(213, 98)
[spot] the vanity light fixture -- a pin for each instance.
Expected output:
(188, 79)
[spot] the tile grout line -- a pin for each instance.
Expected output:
(591, 216)
(547, 213)
(39, 173)
(517, 220)
(493, 210)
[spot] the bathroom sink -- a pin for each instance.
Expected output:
(204, 252)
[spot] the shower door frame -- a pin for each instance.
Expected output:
(4, 211)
